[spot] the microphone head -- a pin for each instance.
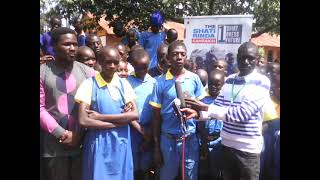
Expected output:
(177, 102)
(180, 93)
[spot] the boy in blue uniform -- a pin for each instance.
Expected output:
(162, 64)
(132, 38)
(47, 47)
(210, 130)
(143, 84)
(151, 41)
(167, 131)
(78, 27)
(103, 111)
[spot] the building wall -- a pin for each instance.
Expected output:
(275, 53)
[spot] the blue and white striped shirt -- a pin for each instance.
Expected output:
(242, 128)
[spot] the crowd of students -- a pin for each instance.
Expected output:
(108, 112)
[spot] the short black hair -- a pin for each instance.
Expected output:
(89, 37)
(74, 20)
(135, 33)
(176, 44)
(216, 71)
(138, 54)
(57, 33)
(107, 49)
(52, 19)
(162, 46)
(83, 48)
(248, 45)
(172, 33)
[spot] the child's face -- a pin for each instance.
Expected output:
(123, 70)
(220, 65)
(214, 85)
(141, 66)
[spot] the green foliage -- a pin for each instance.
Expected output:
(267, 15)
(266, 12)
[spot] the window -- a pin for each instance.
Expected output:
(270, 58)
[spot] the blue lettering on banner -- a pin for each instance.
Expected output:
(204, 35)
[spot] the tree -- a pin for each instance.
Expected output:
(266, 12)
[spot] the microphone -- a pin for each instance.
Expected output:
(180, 103)
(180, 94)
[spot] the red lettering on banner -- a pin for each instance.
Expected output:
(204, 41)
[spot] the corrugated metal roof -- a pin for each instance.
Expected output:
(266, 39)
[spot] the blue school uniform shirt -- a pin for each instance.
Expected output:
(212, 126)
(47, 46)
(163, 96)
(143, 89)
(155, 71)
(151, 42)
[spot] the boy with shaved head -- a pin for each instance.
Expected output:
(221, 65)
(210, 130)
(124, 57)
(86, 56)
(168, 134)
(55, 22)
(143, 85)
(93, 41)
(162, 64)
(172, 35)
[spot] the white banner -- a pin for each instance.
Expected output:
(216, 37)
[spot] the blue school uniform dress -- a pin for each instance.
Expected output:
(213, 128)
(163, 97)
(107, 153)
(143, 88)
(151, 42)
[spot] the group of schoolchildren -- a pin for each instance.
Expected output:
(106, 112)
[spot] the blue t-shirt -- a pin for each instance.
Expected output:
(151, 42)
(143, 90)
(163, 96)
(213, 126)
